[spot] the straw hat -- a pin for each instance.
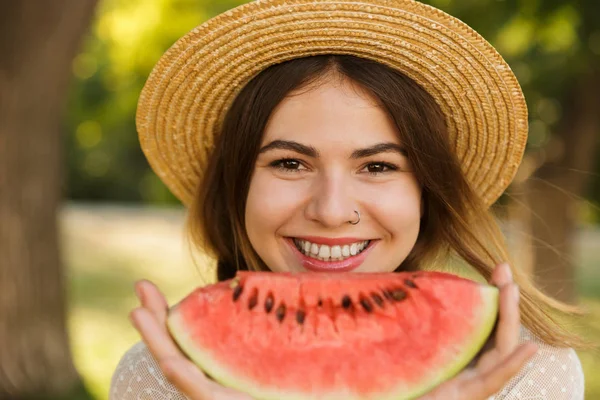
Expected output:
(187, 95)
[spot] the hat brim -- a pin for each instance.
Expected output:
(188, 93)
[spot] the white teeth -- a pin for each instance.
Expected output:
(336, 252)
(324, 252)
(346, 251)
(330, 253)
(314, 249)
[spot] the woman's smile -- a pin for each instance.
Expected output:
(321, 254)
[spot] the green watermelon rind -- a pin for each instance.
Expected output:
(488, 309)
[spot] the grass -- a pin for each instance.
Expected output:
(106, 249)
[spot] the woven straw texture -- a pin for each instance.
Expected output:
(187, 95)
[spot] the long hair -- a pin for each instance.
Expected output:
(455, 220)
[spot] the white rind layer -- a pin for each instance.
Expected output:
(220, 373)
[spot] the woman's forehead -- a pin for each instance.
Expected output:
(331, 112)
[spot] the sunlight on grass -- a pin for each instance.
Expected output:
(99, 341)
(107, 249)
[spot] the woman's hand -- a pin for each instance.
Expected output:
(502, 361)
(150, 319)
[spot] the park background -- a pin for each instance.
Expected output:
(82, 217)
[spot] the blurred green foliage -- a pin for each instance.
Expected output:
(125, 41)
(548, 43)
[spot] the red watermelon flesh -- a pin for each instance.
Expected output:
(335, 336)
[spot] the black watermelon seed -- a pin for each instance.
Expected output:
(280, 312)
(269, 303)
(346, 302)
(410, 284)
(377, 299)
(320, 303)
(366, 305)
(253, 301)
(398, 294)
(300, 315)
(237, 292)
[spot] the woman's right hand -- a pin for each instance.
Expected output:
(150, 319)
(503, 360)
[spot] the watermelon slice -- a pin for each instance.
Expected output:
(335, 336)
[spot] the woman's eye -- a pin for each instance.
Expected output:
(294, 165)
(287, 164)
(380, 167)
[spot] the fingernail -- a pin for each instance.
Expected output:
(508, 271)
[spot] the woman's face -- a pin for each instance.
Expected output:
(327, 152)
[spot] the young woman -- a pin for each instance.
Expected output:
(338, 135)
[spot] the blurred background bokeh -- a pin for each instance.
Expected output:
(82, 217)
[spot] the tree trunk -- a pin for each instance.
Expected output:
(558, 185)
(38, 40)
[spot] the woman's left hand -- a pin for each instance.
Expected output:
(150, 320)
(502, 357)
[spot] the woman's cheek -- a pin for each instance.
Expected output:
(398, 201)
(271, 202)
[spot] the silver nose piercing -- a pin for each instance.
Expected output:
(357, 221)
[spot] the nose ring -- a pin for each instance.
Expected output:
(357, 221)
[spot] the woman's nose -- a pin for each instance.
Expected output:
(331, 202)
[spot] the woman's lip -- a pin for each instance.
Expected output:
(346, 265)
(331, 241)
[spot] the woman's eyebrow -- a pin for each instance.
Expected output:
(378, 148)
(310, 151)
(291, 145)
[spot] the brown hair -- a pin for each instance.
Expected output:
(455, 221)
